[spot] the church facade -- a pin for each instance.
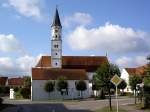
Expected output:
(73, 68)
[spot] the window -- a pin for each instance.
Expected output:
(56, 31)
(55, 46)
(55, 53)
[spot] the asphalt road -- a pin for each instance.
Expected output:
(70, 106)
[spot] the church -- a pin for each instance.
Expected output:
(73, 68)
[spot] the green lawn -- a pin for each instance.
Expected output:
(106, 109)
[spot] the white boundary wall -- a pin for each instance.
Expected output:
(38, 92)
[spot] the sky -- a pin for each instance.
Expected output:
(118, 28)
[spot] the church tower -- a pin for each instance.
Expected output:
(56, 42)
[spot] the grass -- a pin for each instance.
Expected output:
(106, 109)
(139, 106)
(66, 101)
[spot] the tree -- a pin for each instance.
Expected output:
(146, 82)
(25, 92)
(146, 91)
(134, 79)
(122, 85)
(27, 81)
(103, 76)
(62, 85)
(49, 86)
(81, 86)
(97, 86)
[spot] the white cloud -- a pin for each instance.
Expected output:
(131, 62)
(111, 38)
(9, 43)
(28, 8)
(19, 66)
(78, 18)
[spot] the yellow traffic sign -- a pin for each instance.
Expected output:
(116, 80)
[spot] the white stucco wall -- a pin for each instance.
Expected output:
(38, 92)
(125, 76)
(90, 77)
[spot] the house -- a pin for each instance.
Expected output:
(73, 68)
(3, 81)
(16, 82)
(127, 72)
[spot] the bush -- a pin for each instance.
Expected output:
(1, 101)
(25, 92)
(16, 89)
(4, 90)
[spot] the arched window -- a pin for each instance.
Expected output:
(55, 46)
(56, 64)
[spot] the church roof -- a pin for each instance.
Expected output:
(55, 73)
(56, 21)
(89, 63)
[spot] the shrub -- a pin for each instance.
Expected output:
(1, 101)
(16, 89)
(25, 92)
(49, 86)
(0, 89)
(81, 86)
(4, 90)
(62, 84)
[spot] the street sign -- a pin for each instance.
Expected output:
(116, 80)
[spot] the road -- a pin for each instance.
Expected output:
(70, 106)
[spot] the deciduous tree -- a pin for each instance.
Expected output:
(81, 86)
(49, 86)
(103, 76)
(134, 79)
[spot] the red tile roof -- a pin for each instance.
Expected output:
(3, 81)
(55, 73)
(137, 71)
(16, 81)
(89, 63)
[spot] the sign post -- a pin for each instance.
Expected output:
(116, 80)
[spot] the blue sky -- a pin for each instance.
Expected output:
(90, 27)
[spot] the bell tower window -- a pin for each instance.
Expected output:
(56, 31)
(56, 46)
